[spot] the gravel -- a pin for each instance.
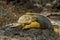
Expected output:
(7, 33)
(34, 34)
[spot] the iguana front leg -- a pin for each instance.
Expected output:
(32, 25)
(17, 25)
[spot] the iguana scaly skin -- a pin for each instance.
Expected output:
(28, 21)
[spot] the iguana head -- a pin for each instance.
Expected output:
(26, 19)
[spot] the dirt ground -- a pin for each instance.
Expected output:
(10, 14)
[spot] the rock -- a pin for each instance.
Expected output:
(28, 34)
